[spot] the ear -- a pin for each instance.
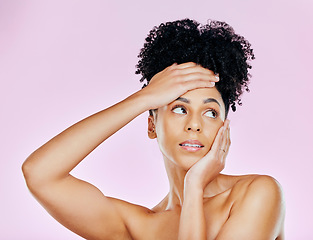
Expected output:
(151, 127)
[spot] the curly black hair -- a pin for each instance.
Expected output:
(214, 46)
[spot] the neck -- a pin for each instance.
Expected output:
(176, 176)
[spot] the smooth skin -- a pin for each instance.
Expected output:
(201, 203)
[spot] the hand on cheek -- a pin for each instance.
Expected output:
(207, 168)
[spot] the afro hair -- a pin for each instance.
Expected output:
(214, 46)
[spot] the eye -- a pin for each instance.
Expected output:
(179, 110)
(211, 113)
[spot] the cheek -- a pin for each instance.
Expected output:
(167, 130)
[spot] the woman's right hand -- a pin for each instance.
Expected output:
(175, 80)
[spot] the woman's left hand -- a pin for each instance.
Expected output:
(208, 167)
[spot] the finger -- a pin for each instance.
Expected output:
(186, 65)
(199, 72)
(226, 143)
(216, 146)
(190, 85)
(219, 140)
(228, 140)
(199, 76)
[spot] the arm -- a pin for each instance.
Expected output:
(192, 220)
(76, 204)
(258, 214)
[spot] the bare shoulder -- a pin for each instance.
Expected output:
(127, 208)
(256, 190)
(144, 223)
(130, 211)
(266, 185)
(258, 186)
(255, 179)
(258, 202)
(135, 216)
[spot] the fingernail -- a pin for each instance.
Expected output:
(213, 84)
(217, 77)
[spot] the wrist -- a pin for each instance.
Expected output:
(193, 181)
(193, 190)
(143, 99)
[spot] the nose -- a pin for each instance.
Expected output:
(193, 124)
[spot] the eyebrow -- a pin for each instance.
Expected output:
(208, 100)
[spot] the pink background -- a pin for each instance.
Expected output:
(61, 61)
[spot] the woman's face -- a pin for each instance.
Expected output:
(185, 129)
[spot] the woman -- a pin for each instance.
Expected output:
(194, 75)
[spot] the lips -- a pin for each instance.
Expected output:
(191, 145)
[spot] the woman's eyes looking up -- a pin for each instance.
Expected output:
(182, 110)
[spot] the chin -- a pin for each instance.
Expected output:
(186, 162)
